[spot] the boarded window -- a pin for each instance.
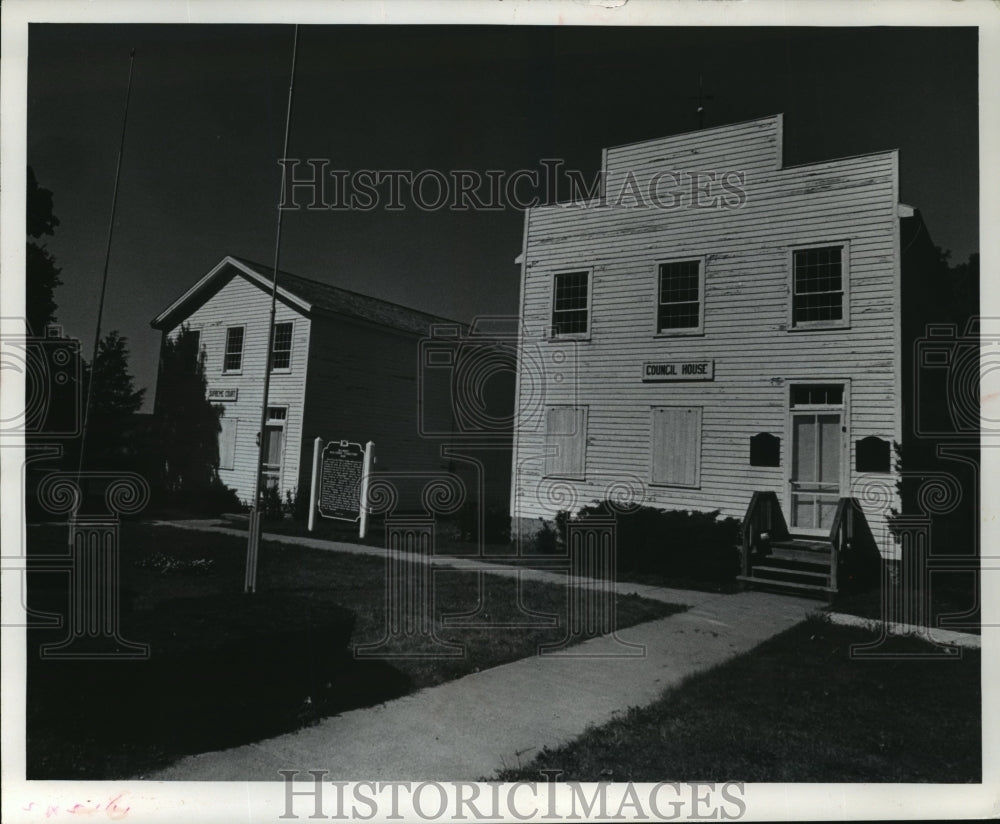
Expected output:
(676, 447)
(872, 455)
(565, 441)
(818, 286)
(570, 299)
(680, 296)
(765, 450)
(227, 443)
(281, 351)
(234, 350)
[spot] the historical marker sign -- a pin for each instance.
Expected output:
(341, 470)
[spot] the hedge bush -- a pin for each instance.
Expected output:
(674, 543)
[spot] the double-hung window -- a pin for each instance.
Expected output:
(233, 358)
(281, 350)
(571, 304)
(819, 286)
(680, 297)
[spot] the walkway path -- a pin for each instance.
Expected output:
(472, 727)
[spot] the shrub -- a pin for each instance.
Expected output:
(496, 525)
(675, 543)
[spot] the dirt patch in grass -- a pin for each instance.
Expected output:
(798, 708)
(179, 587)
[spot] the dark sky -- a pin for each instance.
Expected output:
(200, 177)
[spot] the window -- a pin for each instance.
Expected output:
(676, 446)
(818, 395)
(565, 441)
(277, 414)
(679, 308)
(281, 350)
(233, 361)
(227, 443)
(571, 304)
(818, 286)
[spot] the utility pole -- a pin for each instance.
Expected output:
(701, 98)
(253, 542)
(104, 279)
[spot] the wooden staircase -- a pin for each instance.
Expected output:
(773, 558)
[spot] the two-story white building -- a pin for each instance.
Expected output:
(345, 366)
(715, 325)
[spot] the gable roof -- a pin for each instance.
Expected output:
(306, 295)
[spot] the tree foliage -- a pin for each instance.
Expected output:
(187, 424)
(41, 272)
(114, 401)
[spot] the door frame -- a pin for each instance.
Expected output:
(276, 423)
(844, 409)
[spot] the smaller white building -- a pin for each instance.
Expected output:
(345, 366)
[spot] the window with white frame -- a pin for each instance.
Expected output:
(233, 358)
(819, 286)
(676, 446)
(571, 304)
(680, 307)
(566, 442)
(281, 348)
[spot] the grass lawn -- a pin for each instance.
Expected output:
(951, 603)
(95, 720)
(448, 544)
(795, 709)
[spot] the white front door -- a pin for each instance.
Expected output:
(271, 457)
(814, 483)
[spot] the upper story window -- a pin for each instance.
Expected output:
(281, 350)
(819, 286)
(571, 304)
(680, 302)
(233, 360)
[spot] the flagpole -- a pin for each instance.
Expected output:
(104, 279)
(253, 542)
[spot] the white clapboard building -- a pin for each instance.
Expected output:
(714, 325)
(345, 366)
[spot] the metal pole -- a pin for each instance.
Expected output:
(317, 448)
(365, 475)
(253, 544)
(107, 260)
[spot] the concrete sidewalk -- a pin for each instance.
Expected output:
(472, 727)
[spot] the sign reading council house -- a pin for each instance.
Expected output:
(697, 370)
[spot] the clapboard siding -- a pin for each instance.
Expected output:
(746, 257)
(363, 386)
(241, 303)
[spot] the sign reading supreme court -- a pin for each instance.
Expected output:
(694, 370)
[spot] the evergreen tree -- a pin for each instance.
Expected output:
(41, 272)
(114, 402)
(187, 424)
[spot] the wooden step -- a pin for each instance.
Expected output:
(810, 544)
(802, 556)
(772, 583)
(789, 571)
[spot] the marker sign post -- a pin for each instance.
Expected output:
(340, 482)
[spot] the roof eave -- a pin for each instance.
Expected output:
(167, 318)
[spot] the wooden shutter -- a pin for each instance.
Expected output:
(566, 437)
(676, 447)
(227, 443)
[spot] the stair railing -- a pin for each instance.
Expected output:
(841, 534)
(763, 516)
